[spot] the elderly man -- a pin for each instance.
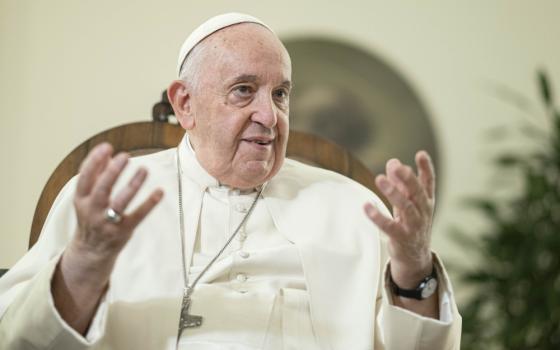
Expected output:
(246, 249)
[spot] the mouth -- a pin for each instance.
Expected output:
(262, 141)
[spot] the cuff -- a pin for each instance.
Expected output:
(32, 321)
(444, 290)
(423, 332)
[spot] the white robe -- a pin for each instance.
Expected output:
(254, 295)
(341, 253)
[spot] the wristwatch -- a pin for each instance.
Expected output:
(424, 290)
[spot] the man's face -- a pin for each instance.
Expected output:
(240, 106)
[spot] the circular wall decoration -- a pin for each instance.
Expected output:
(351, 97)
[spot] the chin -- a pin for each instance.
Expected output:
(254, 175)
(254, 179)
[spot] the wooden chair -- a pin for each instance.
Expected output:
(159, 134)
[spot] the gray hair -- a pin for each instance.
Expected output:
(191, 68)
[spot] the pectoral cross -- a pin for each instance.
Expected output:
(186, 320)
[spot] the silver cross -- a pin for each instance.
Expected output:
(187, 320)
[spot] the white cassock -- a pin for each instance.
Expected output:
(306, 271)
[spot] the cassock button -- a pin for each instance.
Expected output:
(241, 277)
(243, 254)
(242, 236)
(242, 208)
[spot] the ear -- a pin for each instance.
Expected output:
(180, 98)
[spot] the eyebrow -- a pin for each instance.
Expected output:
(253, 79)
(288, 84)
(245, 77)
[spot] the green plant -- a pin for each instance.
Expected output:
(516, 304)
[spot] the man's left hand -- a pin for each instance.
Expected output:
(412, 197)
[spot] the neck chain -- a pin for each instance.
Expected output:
(187, 320)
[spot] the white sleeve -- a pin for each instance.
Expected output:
(28, 317)
(403, 329)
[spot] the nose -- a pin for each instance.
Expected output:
(265, 112)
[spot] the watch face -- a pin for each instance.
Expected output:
(430, 288)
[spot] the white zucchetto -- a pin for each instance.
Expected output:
(212, 25)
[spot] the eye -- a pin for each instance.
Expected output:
(281, 95)
(243, 90)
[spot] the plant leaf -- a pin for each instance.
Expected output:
(545, 88)
(509, 160)
(487, 206)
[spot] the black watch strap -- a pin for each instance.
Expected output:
(424, 290)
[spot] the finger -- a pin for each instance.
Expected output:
(121, 201)
(426, 172)
(398, 200)
(95, 162)
(102, 188)
(387, 225)
(390, 169)
(144, 209)
(403, 176)
(408, 183)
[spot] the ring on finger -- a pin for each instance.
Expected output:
(113, 216)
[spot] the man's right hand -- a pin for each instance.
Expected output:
(83, 272)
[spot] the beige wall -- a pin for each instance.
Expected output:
(71, 68)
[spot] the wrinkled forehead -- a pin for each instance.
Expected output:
(241, 50)
(246, 48)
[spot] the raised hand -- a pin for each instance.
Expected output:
(83, 272)
(413, 198)
(97, 233)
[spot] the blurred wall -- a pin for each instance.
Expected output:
(69, 69)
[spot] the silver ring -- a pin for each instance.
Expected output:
(112, 216)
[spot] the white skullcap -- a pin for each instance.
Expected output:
(211, 26)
